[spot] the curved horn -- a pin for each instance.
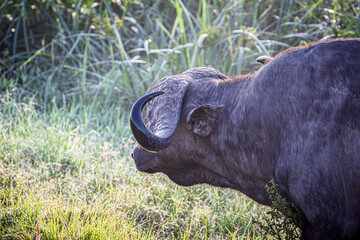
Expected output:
(142, 134)
(163, 113)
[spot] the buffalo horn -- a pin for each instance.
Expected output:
(142, 134)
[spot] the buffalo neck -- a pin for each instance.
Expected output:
(248, 134)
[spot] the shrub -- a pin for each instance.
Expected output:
(283, 220)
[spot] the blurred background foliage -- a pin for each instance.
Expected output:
(94, 56)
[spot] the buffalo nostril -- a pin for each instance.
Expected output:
(132, 155)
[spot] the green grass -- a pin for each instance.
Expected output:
(62, 184)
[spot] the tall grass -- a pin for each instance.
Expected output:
(111, 52)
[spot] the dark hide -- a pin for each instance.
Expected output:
(296, 120)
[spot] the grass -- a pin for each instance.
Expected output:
(59, 184)
(69, 73)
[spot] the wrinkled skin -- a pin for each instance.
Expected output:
(295, 121)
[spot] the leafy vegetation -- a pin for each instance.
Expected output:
(283, 219)
(69, 73)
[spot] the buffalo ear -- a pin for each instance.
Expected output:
(264, 59)
(202, 120)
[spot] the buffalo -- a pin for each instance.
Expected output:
(295, 121)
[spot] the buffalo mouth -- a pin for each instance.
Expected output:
(146, 169)
(144, 160)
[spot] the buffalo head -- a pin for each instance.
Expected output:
(181, 122)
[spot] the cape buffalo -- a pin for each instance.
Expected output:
(295, 121)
